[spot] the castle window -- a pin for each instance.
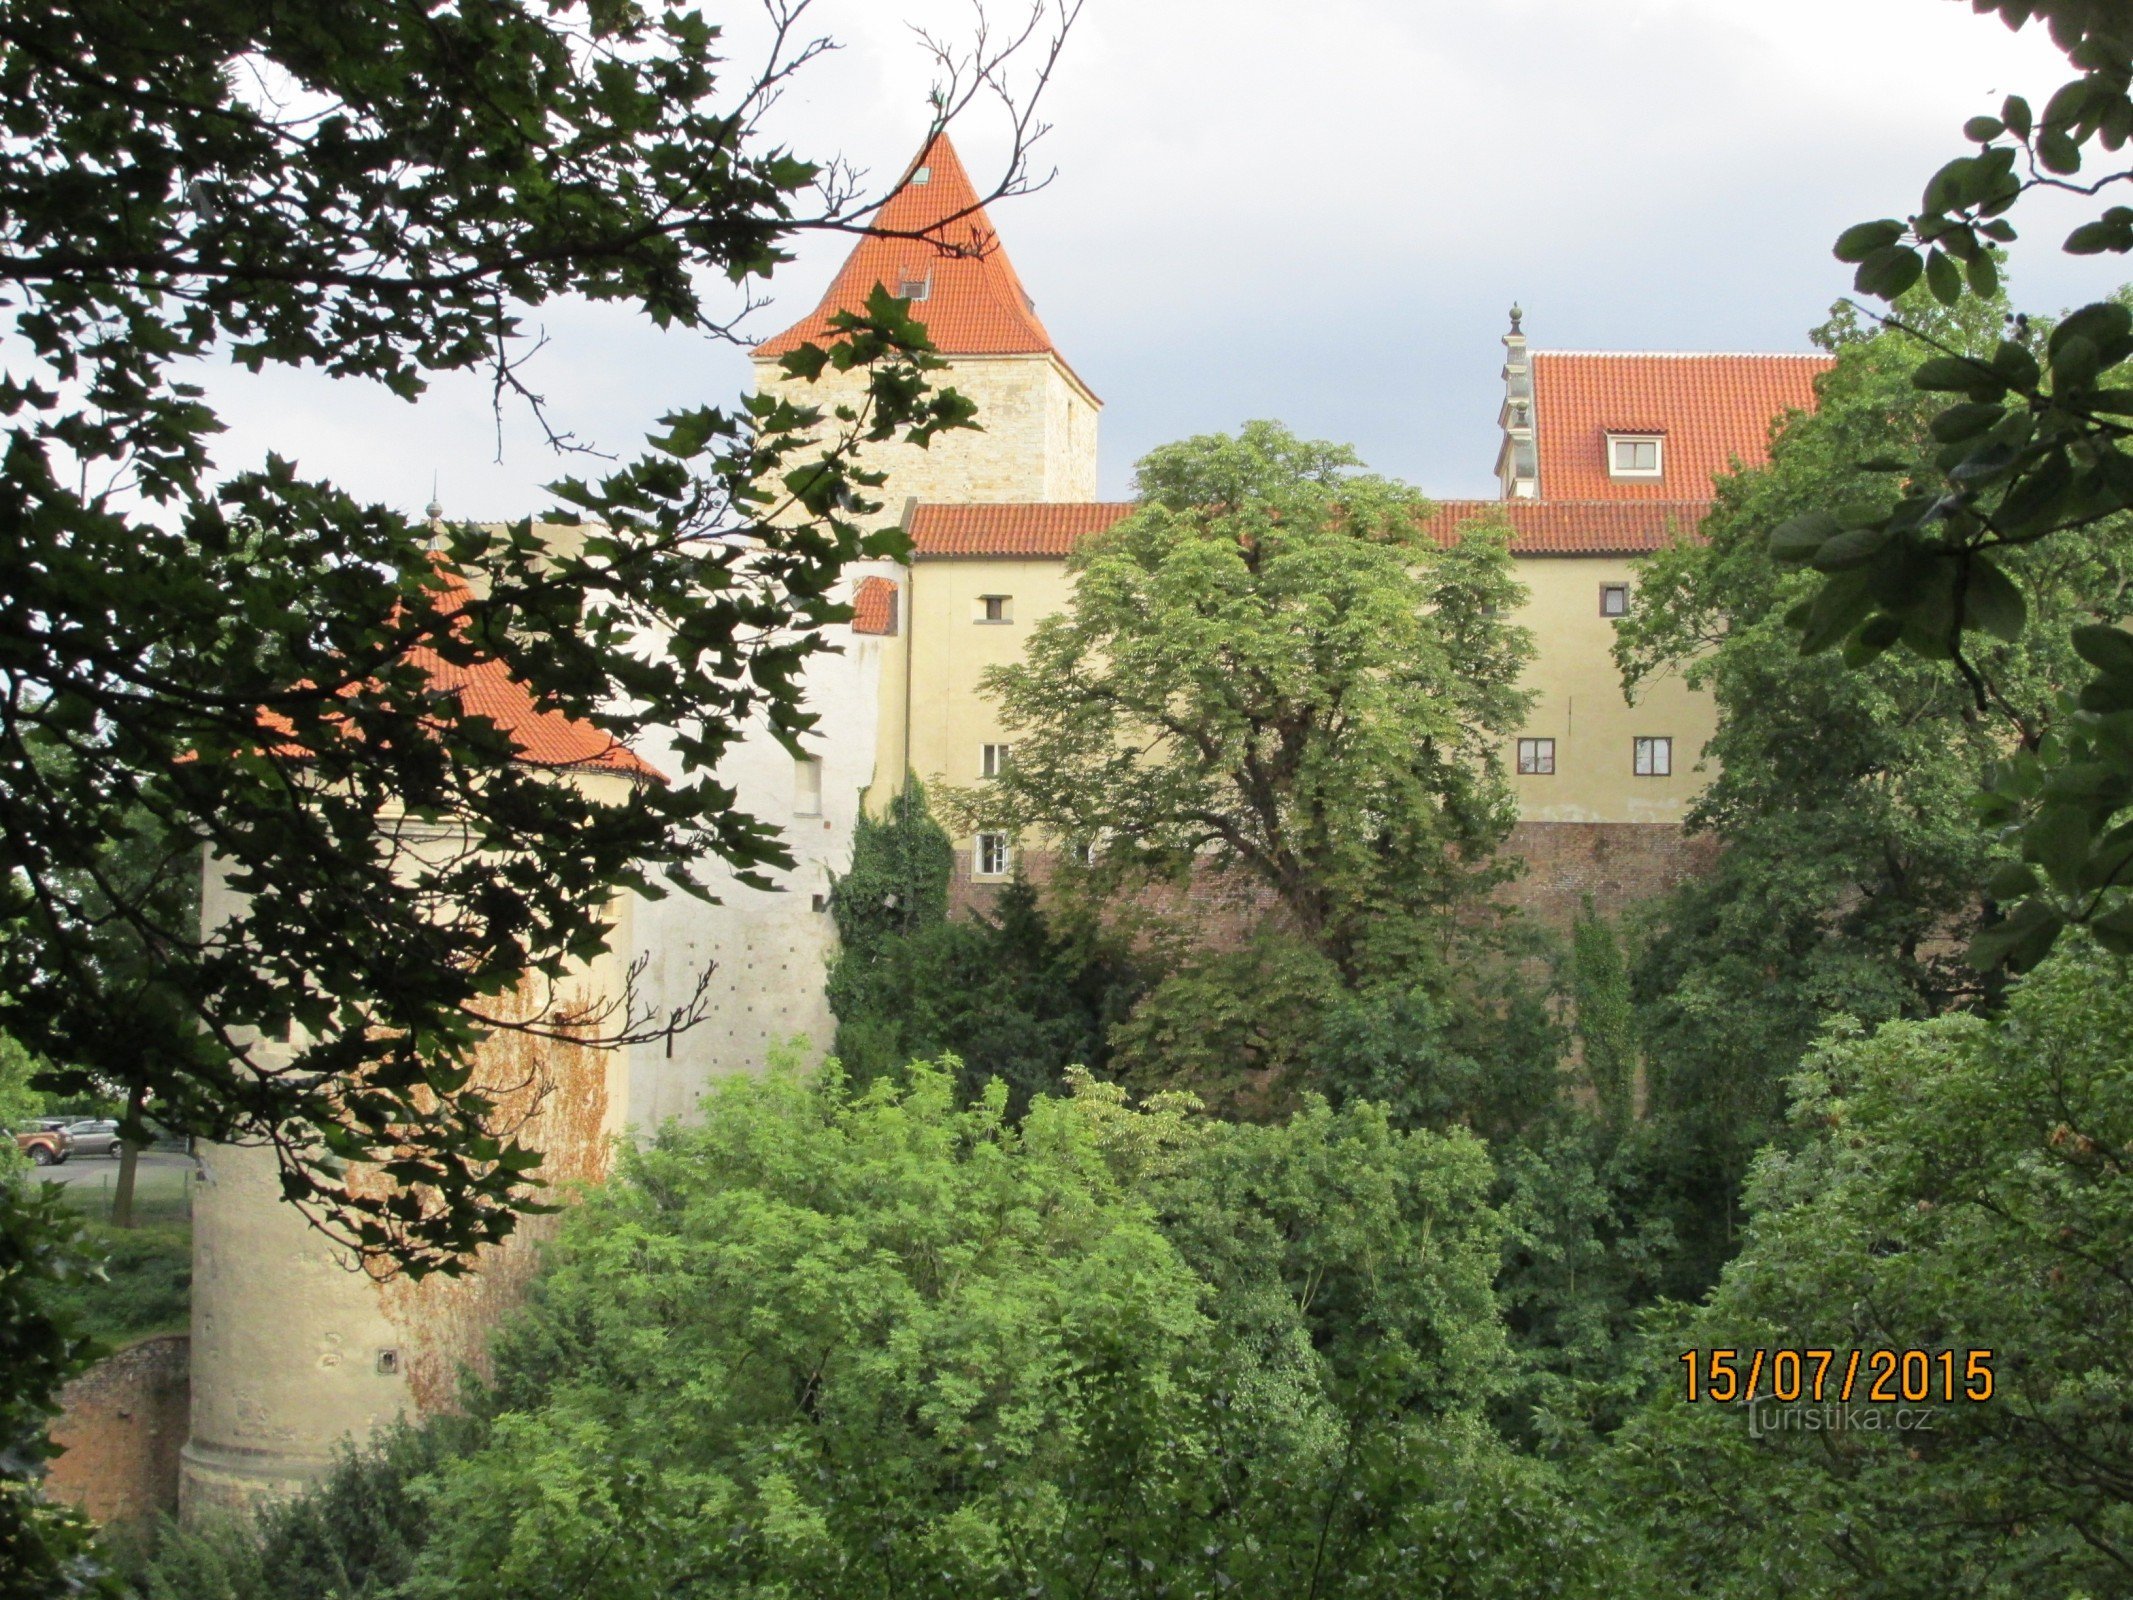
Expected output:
(992, 760)
(995, 608)
(913, 288)
(807, 787)
(1654, 758)
(1614, 599)
(1633, 455)
(1536, 758)
(993, 857)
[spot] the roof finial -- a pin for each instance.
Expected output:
(1516, 314)
(435, 509)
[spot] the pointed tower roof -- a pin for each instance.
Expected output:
(966, 290)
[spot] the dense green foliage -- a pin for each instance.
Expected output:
(1960, 1184)
(356, 1537)
(1855, 863)
(45, 1549)
(2030, 450)
(1008, 994)
(828, 1344)
(142, 1284)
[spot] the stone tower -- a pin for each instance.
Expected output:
(295, 1346)
(1038, 418)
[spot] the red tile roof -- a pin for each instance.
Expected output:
(874, 606)
(1538, 527)
(1576, 527)
(1050, 529)
(543, 737)
(1712, 409)
(974, 302)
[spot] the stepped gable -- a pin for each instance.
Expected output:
(963, 287)
(1538, 527)
(1710, 410)
(543, 737)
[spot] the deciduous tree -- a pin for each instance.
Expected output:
(1269, 670)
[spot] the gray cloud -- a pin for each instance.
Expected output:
(1320, 212)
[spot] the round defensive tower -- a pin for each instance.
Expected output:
(297, 1346)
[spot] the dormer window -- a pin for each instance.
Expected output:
(914, 288)
(1633, 455)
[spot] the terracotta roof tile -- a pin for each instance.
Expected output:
(974, 302)
(1576, 527)
(1047, 529)
(1711, 409)
(1538, 527)
(544, 737)
(874, 606)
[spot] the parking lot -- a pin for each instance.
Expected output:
(163, 1169)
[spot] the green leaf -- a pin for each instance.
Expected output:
(1862, 239)
(2057, 152)
(1983, 130)
(1853, 548)
(1966, 421)
(2011, 881)
(1943, 373)
(2020, 942)
(1797, 540)
(2114, 930)
(1992, 601)
(2058, 841)
(1886, 273)
(1984, 275)
(2108, 649)
(1843, 602)
(2014, 112)
(2099, 238)
(1944, 278)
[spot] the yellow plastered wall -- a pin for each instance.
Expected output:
(1579, 701)
(1581, 707)
(1036, 436)
(946, 648)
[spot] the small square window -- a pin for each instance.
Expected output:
(996, 608)
(807, 787)
(993, 857)
(921, 174)
(1536, 758)
(1614, 599)
(1633, 455)
(1654, 758)
(914, 288)
(992, 760)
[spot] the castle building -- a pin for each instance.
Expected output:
(1605, 458)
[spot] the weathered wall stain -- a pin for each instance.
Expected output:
(551, 1093)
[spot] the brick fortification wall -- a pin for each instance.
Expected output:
(1619, 864)
(121, 1427)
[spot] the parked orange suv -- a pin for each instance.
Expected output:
(47, 1147)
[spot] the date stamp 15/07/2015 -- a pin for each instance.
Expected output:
(1876, 1377)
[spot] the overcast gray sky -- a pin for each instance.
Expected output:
(1318, 210)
